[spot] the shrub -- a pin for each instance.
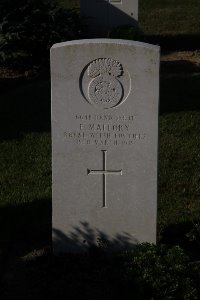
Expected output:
(28, 28)
(161, 272)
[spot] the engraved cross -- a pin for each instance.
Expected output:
(104, 172)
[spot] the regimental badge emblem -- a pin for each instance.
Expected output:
(105, 89)
(105, 83)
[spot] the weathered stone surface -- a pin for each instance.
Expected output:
(104, 138)
(100, 16)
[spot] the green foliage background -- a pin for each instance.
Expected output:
(30, 27)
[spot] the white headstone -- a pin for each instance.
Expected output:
(100, 16)
(105, 138)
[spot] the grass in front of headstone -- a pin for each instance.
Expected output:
(25, 194)
(179, 164)
(25, 169)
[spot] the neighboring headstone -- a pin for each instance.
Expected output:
(104, 136)
(100, 16)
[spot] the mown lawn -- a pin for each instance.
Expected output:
(163, 17)
(179, 165)
(170, 17)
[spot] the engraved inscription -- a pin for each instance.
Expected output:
(104, 172)
(105, 130)
(105, 83)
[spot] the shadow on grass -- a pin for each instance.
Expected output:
(25, 107)
(32, 272)
(178, 42)
(179, 67)
(23, 228)
(173, 43)
(179, 86)
(27, 225)
(179, 92)
(78, 276)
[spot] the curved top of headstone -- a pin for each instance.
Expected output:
(107, 41)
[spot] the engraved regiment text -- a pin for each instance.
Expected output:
(104, 130)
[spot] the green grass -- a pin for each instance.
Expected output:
(25, 193)
(163, 17)
(25, 169)
(169, 17)
(179, 166)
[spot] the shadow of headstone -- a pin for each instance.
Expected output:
(101, 16)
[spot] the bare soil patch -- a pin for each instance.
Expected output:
(190, 56)
(181, 62)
